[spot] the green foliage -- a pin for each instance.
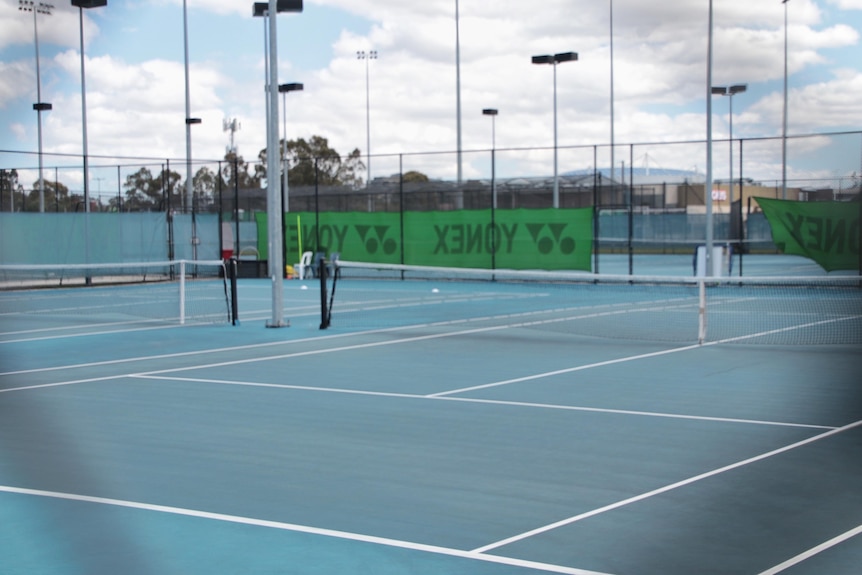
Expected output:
(314, 162)
(414, 177)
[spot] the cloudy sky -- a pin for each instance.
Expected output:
(136, 97)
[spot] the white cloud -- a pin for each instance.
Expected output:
(660, 54)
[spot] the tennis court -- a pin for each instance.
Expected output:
(437, 427)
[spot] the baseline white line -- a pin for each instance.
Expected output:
(384, 541)
(813, 551)
(478, 400)
(665, 489)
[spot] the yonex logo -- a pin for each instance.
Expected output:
(373, 237)
(546, 243)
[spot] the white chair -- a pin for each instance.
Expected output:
(304, 262)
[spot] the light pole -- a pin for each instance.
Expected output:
(708, 184)
(274, 213)
(784, 120)
(81, 4)
(189, 120)
(613, 168)
(553, 61)
(367, 56)
(458, 97)
(39, 106)
(730, 92)
(284, 89)
(493, 113)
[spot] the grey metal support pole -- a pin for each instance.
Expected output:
(458, 90)
(189, 186)
(274, 214)
(784, 115)
(613, 169)
(556, 177)
(708, 186)
(84, 118)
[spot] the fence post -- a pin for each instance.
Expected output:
(401, 203)
(597, 178)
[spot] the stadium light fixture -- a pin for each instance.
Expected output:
(82, 5)
(262, 8)
(39, 106)
(283, 89)
(367, 56)
(553, 60)
(730, 92)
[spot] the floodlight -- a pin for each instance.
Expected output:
(89, 3)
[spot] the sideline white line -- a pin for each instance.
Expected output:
(303, 529)
(567, 370)
(814, 551)
(665, 489)
(479, 401)
(62, 383)
(188, 353)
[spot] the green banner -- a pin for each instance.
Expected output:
(826, 232)
(551, 239)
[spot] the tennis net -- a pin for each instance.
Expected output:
(178, 291)
(764, 310)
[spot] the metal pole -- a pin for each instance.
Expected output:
(274, 213)
(84, 117)
(596, 179)
(458, 89)
(189, 187)
(708, 187)
(784, 118)
(612, 90)
(368, 120)
(45, 9)
(556, 179)
(284, 195)
(730, 156)
(494, 161)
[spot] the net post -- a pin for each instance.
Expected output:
(234, 305)
(701, 311)
(324, 309)
(182, 292)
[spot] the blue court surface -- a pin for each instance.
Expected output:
(436, 428)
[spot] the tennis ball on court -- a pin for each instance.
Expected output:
(435, 290)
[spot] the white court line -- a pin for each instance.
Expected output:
(665, 489)
(316, 351)
(814, 551)
(63, 383)
(477, 400)
(566, 370)
(384, 541)
(340, 335)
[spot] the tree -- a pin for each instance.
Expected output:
(204, 188)
(147, 193)
(235, 173)
(414, 177)
(313, 161)
(11, 191)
